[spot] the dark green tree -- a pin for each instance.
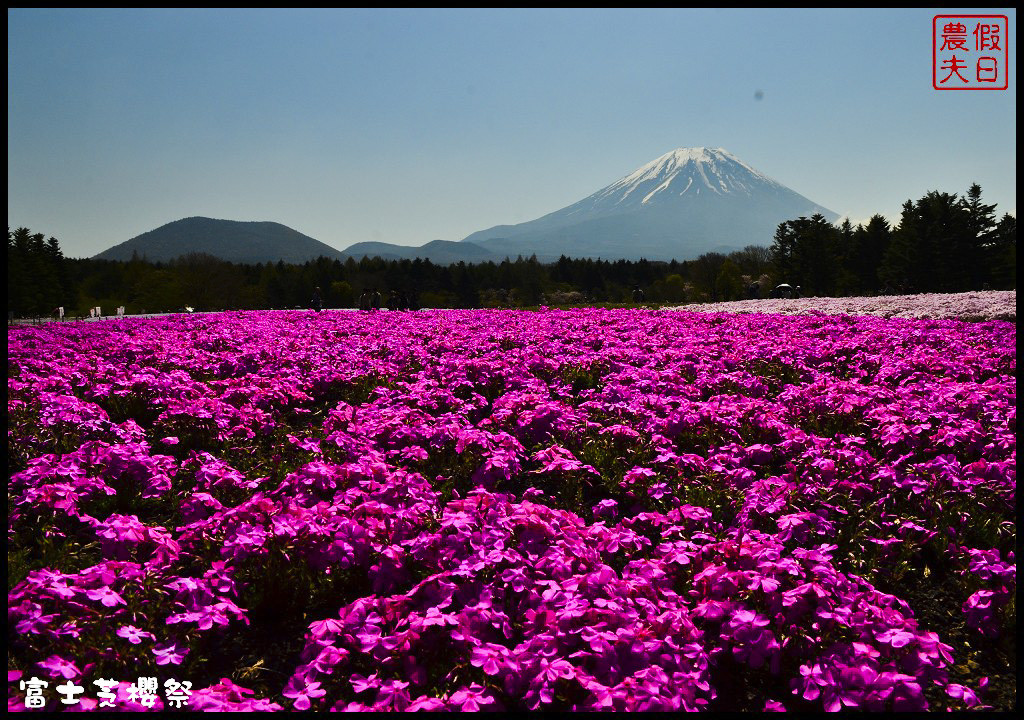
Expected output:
(704, 273)
(805, 253)
(729, 283)
(846, 280)
(37, 274)
(871, 242)
(934, 248)
(1003, 252)
(981, 219)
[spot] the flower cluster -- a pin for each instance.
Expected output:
(979, 305)
(497, 510)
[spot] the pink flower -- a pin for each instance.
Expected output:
(59, 667)
(133, 634)
(169, 653)
(303, 693)
(106, 596)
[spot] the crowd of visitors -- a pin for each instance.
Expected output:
(370, 300)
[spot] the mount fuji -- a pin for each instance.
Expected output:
(685, 203)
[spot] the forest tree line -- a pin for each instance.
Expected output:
(943, 243)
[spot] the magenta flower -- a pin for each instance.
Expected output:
(426, 704)
(303, 693)
(59, 667)
(451, 479)
(471, 699)
(361, 683)
(169, 654)
(133, 634)
(963, 693)
(488, 657)
(392, 695)
(106, 596)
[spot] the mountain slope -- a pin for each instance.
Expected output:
(241, 242)
(439, 252)
(684, 203)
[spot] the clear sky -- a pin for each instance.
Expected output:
(407, 126)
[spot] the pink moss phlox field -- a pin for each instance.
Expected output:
(499, 510)
(978, 305)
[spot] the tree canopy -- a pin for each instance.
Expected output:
(942, 243)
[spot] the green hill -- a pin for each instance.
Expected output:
(232, 240)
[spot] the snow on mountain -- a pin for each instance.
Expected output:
(681, 171)
(676, 174)
(687, 202)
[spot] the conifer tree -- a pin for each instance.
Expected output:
(981, 221)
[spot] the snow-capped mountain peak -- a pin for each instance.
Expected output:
(693, 170)
(684, 203)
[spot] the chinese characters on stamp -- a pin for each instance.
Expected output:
(970, 52)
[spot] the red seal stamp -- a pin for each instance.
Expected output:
(970, 52)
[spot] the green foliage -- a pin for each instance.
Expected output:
(37, 275)
(870, 243)
(704, 274)
(943, 243)
(729, 283)
(806, 254)
(670, 289)
(1002, 250)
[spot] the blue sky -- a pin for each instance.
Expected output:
(407, 126)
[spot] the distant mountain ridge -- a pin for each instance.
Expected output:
(439, 252)
(685, 203)
(231, 240)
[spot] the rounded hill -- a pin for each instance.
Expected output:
(232, 240)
